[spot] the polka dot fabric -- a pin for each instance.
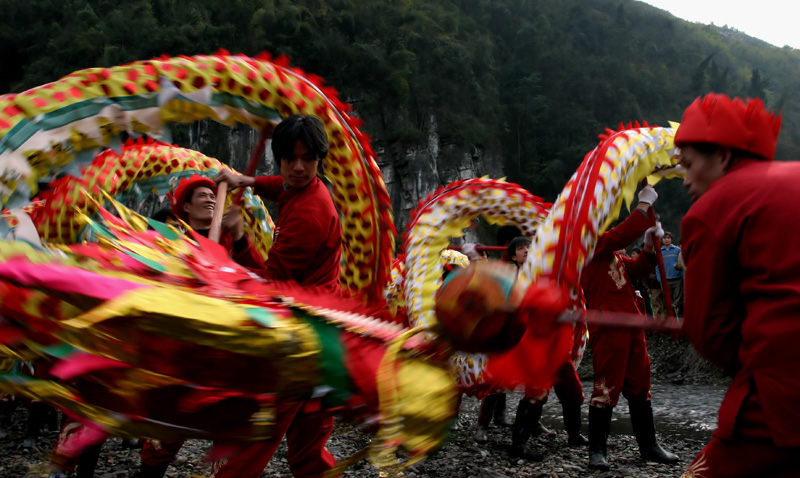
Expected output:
(61, 126)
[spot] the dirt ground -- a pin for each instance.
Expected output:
(461, 457)
(673, 362)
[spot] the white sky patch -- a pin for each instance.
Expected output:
(773, 21)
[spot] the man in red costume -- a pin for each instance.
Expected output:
(742, 297)
(193, 202)
(307, 242)
(619, 355)
(306, 249)
(567, 387)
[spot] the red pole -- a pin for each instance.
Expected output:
(662, 273)
(216, 222)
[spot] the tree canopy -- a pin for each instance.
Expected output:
(533, 81)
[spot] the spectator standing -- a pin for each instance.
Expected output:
(670, 252)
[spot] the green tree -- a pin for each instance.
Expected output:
(758, 86)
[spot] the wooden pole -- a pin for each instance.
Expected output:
(222, 190)
(219, 210)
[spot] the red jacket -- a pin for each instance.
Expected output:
(307, 243)
(742, 290)
(246, 256)
(607, 280)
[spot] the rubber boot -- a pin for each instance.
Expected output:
(36, 416)
(599, 427)
(526, 420)
(645, 431)
(484, 417)
(52, 421)
(500, 412)
(538, 428)
(87, 461)
(572, 424)
(6, 411)
(153, 471)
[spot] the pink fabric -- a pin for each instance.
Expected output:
(70, 280)
(73, 438)
(82, 363)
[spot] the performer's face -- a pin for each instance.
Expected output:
(521, 253)
(201, 207)
(301, 168)
(702, 169)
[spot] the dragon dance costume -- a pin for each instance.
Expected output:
(182, 342)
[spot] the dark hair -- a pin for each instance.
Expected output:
(667, 233)
(163, 214)
(707, 149)
(506, 233)
(636, 250)
(308, 129)
(517, 241)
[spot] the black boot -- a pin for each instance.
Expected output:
(645, 431)
(87, 461)
(527, 418)
(538, 428)
(6, 412)
(153, 471)
(36, 417)
(599, 427)
(572, 424)
(484, 417)
(52, 420)
(500, 412)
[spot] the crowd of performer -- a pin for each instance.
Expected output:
(735, 284)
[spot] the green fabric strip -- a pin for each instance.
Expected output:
(244, 104)
(163, 229)
(71, 113)
(17, 135)
(60, 350)
(332, 367)
(260, 316)
(148, 262)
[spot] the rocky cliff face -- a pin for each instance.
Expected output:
(410, 172)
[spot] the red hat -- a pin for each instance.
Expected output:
(185, 186)
(716, 119)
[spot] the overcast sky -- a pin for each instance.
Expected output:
(774, 21)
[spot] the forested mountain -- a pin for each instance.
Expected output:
(529, 82)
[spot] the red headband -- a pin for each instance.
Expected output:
(186, 186)
(716, 119)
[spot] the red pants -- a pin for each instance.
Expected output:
(751, 453)
(621, 365)
(567, 386)
(306, 435)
